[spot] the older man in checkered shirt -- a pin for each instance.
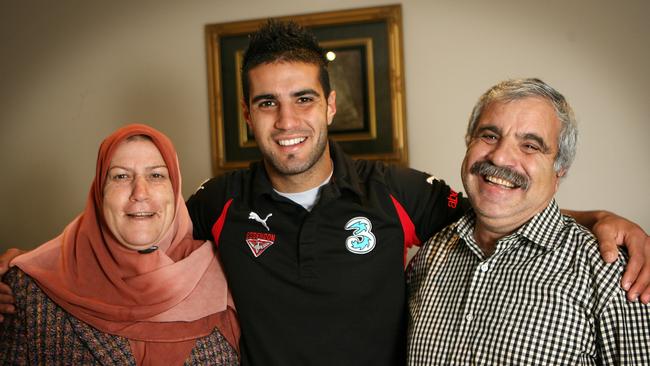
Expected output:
(514, 282)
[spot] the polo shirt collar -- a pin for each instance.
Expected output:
(344, 176)
(261, 182)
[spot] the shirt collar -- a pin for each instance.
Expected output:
(345, 173)
(344, 176)
(543, 229)
(261, 182)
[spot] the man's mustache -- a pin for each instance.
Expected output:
(485, 168)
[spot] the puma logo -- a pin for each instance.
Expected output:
(256, 217)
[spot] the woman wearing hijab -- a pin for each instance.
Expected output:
(125, 283)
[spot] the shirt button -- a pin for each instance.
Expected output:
(469, 317)
(485, 267)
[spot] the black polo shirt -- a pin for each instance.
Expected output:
(324, 287)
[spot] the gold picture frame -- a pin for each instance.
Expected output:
(367, 74)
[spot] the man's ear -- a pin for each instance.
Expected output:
(331, 107)
(247, 114)
(559, 175)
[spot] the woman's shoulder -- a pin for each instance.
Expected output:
(25, 290)
(19, 281)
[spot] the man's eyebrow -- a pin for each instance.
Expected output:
(257, 98)
(299, 93)
(491, 128)
(304, 92)
(537, 138)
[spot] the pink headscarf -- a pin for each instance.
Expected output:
(161, 301)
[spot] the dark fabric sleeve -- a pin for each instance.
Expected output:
(205, 206)
(13, 350)
(623, 331)
(622, 327)
(430, 202)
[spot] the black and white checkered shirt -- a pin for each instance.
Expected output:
(545, 297)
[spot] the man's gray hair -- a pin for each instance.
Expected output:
(515, 89)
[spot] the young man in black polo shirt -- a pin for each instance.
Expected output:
(313, 242)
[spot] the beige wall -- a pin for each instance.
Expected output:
(73, 71)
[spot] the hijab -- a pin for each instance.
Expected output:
(161, 301)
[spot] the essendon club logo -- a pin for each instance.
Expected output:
(259, 242)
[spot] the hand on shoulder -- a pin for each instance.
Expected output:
(6, 297)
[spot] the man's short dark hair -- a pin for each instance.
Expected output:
(278, 41)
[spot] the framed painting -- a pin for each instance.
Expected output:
(364, 50)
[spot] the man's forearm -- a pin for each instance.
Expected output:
(586, 218)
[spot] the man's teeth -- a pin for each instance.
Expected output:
(499, 181)
(291, 142)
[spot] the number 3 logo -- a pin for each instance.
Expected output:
(362, 239)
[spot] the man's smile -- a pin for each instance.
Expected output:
(291, 142)
(500, 181)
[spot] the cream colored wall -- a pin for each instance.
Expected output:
(73, 71)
